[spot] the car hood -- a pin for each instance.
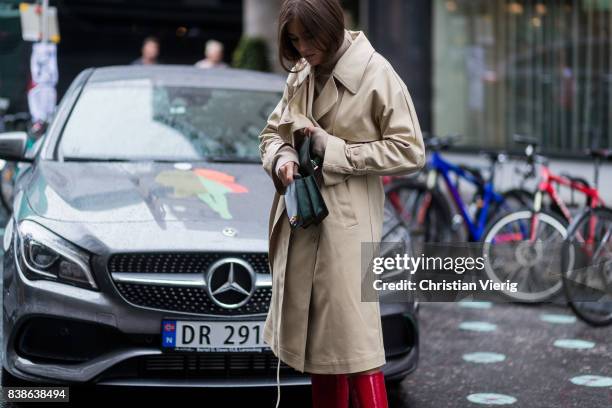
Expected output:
(207, 196)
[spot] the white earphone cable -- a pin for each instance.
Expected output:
(278, 310)
(278, 384)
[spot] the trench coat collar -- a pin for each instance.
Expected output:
(302, 110)
(351, 65)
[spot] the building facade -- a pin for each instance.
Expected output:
(500, 67)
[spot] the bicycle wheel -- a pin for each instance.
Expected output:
(588, 285)
(509, 255)
(424, 212)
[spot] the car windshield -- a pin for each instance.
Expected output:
(147, 120)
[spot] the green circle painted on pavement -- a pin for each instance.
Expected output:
(574, 344)
(478, 326)
(484, 357)
(491, 399)
(475, 304)
(592, 380)
(557, 318)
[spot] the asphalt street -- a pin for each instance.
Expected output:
(472, 354)
(523, 356)
(498, 354)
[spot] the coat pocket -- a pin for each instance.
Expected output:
(343, 209)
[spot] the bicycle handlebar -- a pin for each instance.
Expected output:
(441, 142)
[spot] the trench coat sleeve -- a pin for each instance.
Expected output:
(272, 147)
(401, 149)
(285, 154)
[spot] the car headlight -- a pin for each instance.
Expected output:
(45, 255)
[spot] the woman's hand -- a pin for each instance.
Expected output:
(319, 139)
(286, 172)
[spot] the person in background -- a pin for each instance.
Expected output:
(149, 52)
(213, 56)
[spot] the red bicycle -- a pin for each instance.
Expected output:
(399, 206)
(525, 246)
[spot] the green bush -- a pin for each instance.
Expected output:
(251, 53)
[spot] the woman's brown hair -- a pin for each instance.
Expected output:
(323, 19)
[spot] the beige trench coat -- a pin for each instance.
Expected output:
(317, 322)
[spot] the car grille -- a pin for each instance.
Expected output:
(188, 262)
(214, 363)
(184, 299)
(190, 300)
(201, 365)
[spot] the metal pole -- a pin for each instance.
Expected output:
(45, 21)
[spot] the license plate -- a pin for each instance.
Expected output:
(196, 335)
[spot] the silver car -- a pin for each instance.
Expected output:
(137, 250)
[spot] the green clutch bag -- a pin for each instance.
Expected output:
(303, 199)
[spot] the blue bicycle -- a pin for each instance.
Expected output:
(427, 211)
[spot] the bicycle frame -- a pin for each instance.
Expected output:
(393, 198)
(439, 166)
(547, 185)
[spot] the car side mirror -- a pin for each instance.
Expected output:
(13, 146)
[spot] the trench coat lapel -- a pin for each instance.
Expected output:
(326, 100)
(348, 71)
(298, 113)
(302, 110)
(351, 66)
(309, 101)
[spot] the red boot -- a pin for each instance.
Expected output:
(368, 390)
(330, 391)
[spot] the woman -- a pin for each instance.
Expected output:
(359, 114)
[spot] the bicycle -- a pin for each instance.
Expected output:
(529, 239)
(588, 283)
(426, 208)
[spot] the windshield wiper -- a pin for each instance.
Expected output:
(232, 159)
(212, 159)
(122, 160)
(97, 159)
